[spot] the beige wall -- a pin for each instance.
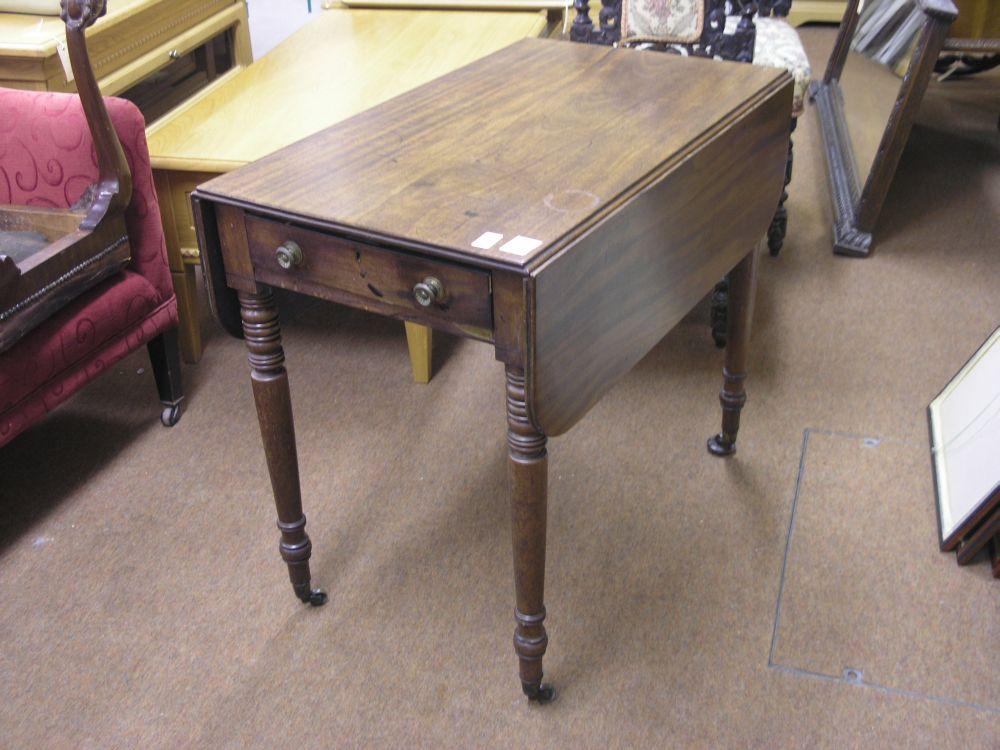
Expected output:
(271, 21)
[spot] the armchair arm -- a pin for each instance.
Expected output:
(113, 189)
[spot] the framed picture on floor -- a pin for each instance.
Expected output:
(965, 445)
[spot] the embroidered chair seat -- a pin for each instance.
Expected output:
(778, 46)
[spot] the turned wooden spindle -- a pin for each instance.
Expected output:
(582, 26)
(528, 465)
(742, 288)
(274, 412)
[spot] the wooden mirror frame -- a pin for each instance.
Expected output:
(856, 209)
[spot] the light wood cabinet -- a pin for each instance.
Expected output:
(977, 19)
(154, 52)
(804, 11)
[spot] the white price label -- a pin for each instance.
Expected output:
(520, 245)
(487, 240)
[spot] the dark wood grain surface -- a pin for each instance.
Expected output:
(484, 149)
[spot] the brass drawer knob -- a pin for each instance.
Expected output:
(428, 291)
(289, 255)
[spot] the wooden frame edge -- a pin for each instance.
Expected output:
(989, 505)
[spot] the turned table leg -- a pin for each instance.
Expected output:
(528, 464)
(742, 289)
(274, 412)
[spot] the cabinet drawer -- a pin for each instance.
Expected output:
(370, 277)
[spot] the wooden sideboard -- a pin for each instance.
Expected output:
(155, 52)
(977, 19)
(804, 11)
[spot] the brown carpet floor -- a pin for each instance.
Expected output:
(792, 596)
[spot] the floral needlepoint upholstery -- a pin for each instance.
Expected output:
(47, 159)
(778, 46)
(662, 21)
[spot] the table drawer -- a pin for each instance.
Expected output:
(371, 277)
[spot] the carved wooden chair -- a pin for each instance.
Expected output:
(83, 272)
(736, 30)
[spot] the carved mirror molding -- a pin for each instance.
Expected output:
(856, 207)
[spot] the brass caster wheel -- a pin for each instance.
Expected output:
(719, 446)
(315, 597)
(541, 694)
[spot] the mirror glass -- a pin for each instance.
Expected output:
(883, 43)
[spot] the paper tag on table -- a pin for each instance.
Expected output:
(520, 245)
(487, 240)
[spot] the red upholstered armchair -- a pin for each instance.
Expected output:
(47, 159)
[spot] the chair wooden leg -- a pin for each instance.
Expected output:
(779, 224)
(420, 340)
(720, 306)
(742, 288)
(187, 312)
(164, 356)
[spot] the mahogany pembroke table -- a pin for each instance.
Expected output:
(566, 203)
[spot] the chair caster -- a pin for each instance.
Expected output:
(542, 693)
(171, 414)
(314, 597)
(719, 446)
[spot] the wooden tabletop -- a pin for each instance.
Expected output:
(484, 149)
(339, 64)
